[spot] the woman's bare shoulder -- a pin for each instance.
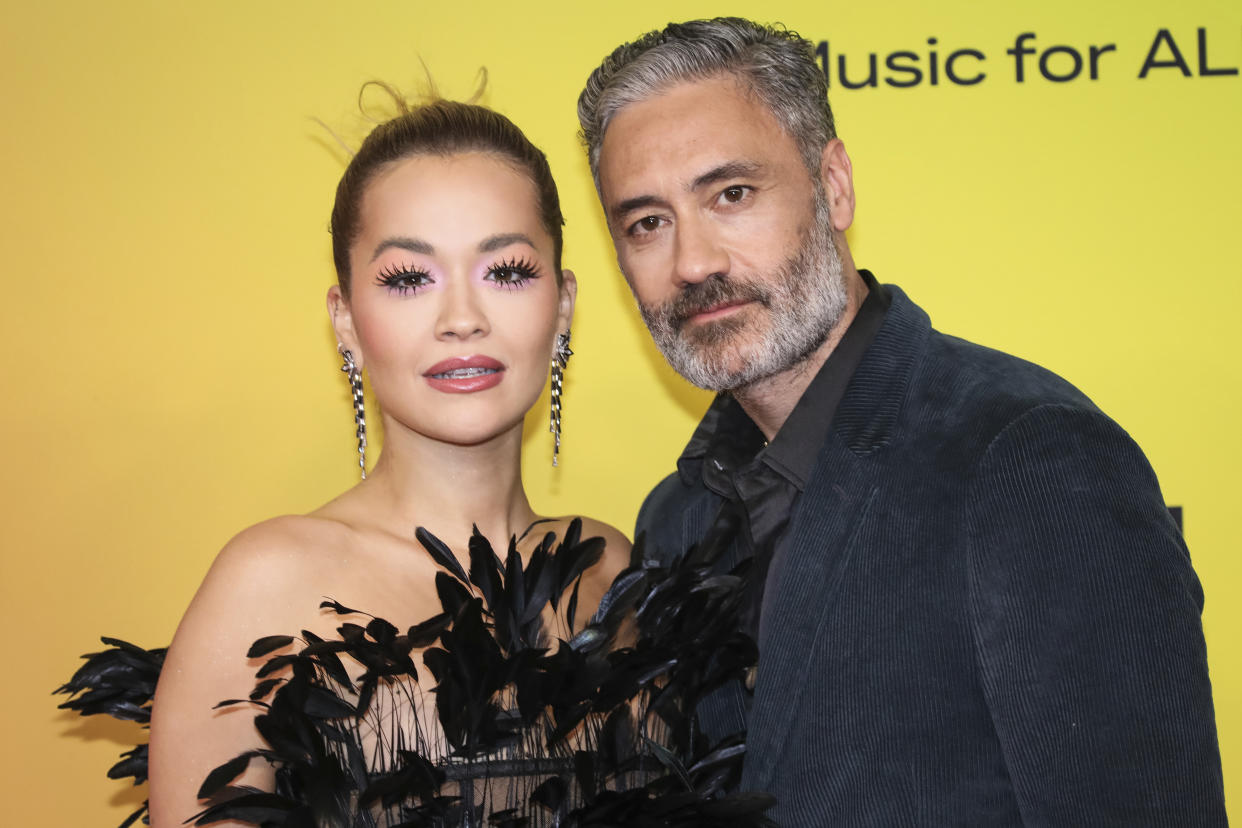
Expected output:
(617, 545)
(269, 569)
(288, 532)
(616, 541)
(266, 580)
(259, 585)
(288, 541)
(616, 555)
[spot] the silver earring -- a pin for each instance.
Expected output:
(560, 358)
(354, 373)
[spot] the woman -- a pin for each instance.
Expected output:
(446, 236)
(447, 242)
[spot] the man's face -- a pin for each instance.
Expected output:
(722, 233)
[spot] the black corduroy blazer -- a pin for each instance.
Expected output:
(982, 613)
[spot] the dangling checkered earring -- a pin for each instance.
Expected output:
(560, 358)
(354, 373)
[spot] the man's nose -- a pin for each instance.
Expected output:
(699, 254)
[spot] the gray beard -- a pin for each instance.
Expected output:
(801, 304)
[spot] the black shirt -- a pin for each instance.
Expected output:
(761, 482)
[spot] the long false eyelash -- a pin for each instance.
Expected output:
(393, 276)
(521, 265)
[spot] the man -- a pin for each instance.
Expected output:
(973, 607)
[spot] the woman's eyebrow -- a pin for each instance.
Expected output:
(496, 242)
(403, 243)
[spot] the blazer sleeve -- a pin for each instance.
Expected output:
(653, 503)
(660, 518)
(1086, 617)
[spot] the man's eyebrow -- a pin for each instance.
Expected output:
(496, 242)
(733, 169)
(403, 243)
(636, 203)
(724, 172)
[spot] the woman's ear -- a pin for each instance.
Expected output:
(569, 295)
(343, 322)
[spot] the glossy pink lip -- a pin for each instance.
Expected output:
(465, 374)
(717, 311)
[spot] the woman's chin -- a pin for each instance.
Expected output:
(474, 434)
(467, 423)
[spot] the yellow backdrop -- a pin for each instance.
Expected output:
(171, 378)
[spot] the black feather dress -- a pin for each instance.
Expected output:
(522, 729)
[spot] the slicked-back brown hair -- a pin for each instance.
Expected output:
(442, 128)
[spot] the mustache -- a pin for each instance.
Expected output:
(700, 296)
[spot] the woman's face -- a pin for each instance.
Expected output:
(454, 303)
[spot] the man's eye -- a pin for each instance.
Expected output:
(734, 194)
(646, 224)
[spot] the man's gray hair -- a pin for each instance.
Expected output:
(772, 62)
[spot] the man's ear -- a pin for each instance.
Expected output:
(568, 296)
(837, 175)
(343, 322)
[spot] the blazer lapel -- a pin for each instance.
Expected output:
(813, 559)
(801, 587)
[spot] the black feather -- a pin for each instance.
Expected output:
(268, 644)
(441, 554)
(263, 688)
(223, 774)
(425, 633)
(453, 596)
(533, 524)
(336, 607)
(587, 734)
(571, 611)
(626, 588)
(484, 572)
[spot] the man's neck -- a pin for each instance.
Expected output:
(769, 401)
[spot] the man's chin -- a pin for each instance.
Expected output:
(714, 370)
(713, 333)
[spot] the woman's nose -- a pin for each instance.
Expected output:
(461, 315)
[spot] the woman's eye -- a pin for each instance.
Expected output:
(512, 273)
(403, 280)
